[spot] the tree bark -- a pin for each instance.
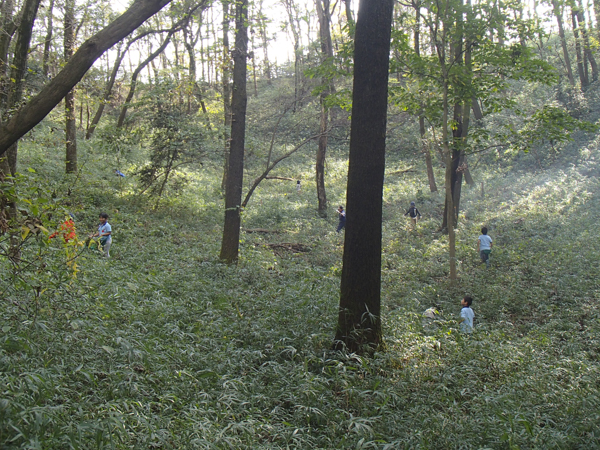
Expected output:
(586, 42)
(136, 73)
(226, 84)
(326, 54)
(38, 107)
(359, 321)
(583, 79)
(563, 41)
(8, 27)
(70, 125)
(107, 93)
(235, 178)
(424, 146)
(48, 40)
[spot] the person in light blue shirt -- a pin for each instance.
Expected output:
(466, 315)
(105, 234)
(484, 246)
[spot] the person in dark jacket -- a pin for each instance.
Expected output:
(342, 222)
(414, 214)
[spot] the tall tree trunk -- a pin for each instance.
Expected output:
(293, 20)
(70, 125)
(48, 40)
(583, 79)
(135, 75)
(8, 27)
(107, 93)
(349, 17)
(424, 146)
(52, 93)
(359, 321)
(226, 83)
(586, 42)
(326, 55)
(19, 67)
(235, 177)
(563, 40)
(262, 29)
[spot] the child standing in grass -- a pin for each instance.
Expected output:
(414, 214)
(342, 222)
(484, 246)
(466, 315)
(104, 232)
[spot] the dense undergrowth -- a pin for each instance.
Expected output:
(162, 346)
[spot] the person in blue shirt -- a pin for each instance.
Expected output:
(484, 246)
(104, 232)
(342, 222)
(466, 315)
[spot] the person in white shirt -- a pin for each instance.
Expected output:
(484, 246)
(466, 315)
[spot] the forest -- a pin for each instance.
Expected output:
(229, 304)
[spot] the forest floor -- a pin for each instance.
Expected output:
(163, 346)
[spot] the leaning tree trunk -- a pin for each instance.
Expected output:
(135, 75)
(70, 125)
(359, 321)
(19, 69)
(38, 107)
(235, 176)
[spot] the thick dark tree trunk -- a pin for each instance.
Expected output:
(359, 322)
(70, 125)
(235, 176)
(38, 107)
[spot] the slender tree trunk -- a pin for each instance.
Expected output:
(37, 108)
(107, 94)
(563, 41)
(349, 17)
(586, 42)
(48, 40)
(226, 83)
(326, 54)
(424, 146)
(7, 30)
(359, 321)
(235, 177)
(262, 28)
(583, 80)
(135, 75)
(70, 125)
